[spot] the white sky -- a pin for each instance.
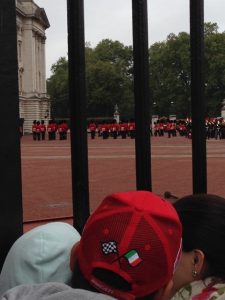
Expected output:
(112, 19)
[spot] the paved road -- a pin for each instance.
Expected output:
(46, 171)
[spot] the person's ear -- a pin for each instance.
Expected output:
(199, 264)
(165, 292)
(74, 255)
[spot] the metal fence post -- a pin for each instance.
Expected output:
(199, 163)
(77, 95)
(11, 221)
(142, 94)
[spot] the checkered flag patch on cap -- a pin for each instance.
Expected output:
(109, 247)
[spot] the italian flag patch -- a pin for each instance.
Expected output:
(133, 258)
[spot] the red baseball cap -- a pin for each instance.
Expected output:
(136, 235)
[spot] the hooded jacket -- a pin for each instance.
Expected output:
(51, 291)
(40, 255)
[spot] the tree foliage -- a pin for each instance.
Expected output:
(170, 78)
(109, 68)
(109, 81)
(214, 70)
(170, 75)
(57, 86)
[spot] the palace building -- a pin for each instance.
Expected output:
(34, 103)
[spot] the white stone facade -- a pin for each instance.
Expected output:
(34, 102)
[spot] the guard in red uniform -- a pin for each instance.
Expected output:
(65, 129)
(123, 130)
(38, 131)
(114, 129)
(62, 130)
(43, 129)
(131, 130)
(105, 131)
(168, 129)
(92, 127)
(50, 130)
(156, 129)
(54, 129)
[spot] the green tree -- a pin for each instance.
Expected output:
(109, 79)
(210, 28)
(57, 87)
(214, 69)
(109, 68)
(170, 73)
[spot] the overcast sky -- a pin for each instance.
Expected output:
(112, 19)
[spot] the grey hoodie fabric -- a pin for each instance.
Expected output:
(40, 255)
(51, 291)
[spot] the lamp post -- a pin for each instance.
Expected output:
(155, 115)
(154, 107)
(172, 115)
(116, 114)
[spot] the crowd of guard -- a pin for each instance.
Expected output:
(40, 130)
(113, 129)
(214, 128)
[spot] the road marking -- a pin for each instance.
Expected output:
(58, 157)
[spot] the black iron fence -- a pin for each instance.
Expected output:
(11, 214)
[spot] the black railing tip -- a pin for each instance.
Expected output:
(169, 196)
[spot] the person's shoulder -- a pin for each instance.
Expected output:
(206, 289)
(83, 295)
(51, 291)
(34, 291)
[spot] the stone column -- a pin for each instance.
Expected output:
(37, 62)
(34, 62)
(43, 69)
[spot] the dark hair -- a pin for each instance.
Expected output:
(112, 279)
(203, 220)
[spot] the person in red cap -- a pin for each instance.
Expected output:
(129, 249)
(135, 240)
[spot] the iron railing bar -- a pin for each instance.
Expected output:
(199, 161)
(141, 94)
(77, 96)
(11, 221)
